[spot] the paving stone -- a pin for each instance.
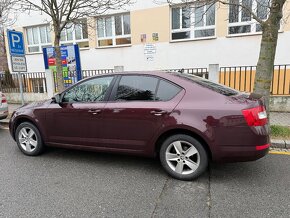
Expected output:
(287, 144)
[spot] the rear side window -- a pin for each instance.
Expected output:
(224, 90)
(166, 91)
(137, 88)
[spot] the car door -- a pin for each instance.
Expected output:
(77, 120)
(135, 112)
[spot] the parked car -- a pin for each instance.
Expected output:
(3, 106)
(185, 120)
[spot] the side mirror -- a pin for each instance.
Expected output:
(56, 99)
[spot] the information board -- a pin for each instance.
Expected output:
(71, 64)
(18, 64)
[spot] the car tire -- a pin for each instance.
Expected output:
(28, 139)
(183, 157)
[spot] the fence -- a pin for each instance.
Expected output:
(31, 82)
(89, 73)
(242, 78)
(202, 72)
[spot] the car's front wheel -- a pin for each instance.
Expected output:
(183, 157)
(28, 139)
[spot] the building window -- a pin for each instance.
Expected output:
(241, 21)
(38, 37)
(192, 22)
(114, 30)
(75, 34)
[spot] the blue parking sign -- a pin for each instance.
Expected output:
(16, 43)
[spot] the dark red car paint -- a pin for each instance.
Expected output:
(130, 127)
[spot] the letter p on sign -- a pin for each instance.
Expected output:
(15, 39)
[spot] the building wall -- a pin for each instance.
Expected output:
(147, 18)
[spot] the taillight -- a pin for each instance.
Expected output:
(256, 116)
(262, 147)
(4, 100)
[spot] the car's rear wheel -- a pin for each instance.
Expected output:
(28, 139)
(183, 157)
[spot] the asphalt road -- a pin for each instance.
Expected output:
(67, 183)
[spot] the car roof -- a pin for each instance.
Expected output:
(161, 73)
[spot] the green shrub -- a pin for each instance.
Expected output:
(280, 131)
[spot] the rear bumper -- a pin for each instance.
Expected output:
(241, 153)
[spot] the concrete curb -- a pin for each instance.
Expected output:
(275, 143)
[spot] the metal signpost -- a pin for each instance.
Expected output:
(17, 53)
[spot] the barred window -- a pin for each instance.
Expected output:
(38, 37)
(75, 34)
(241, 21)
(114, 30)
(193, 22)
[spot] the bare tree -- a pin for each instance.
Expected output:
(7, 17)
(268, 14)
(66, 12)
(7, 9)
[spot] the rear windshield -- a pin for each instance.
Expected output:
(224, 90)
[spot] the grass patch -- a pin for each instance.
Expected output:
(281, 132)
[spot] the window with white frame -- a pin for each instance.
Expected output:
(38, 37)
(75, 34)
(114, 30)
(241, 21)
(192, 22)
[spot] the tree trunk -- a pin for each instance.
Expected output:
(265, 65)
(3, 55)
(59, 70)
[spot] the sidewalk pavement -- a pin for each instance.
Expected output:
(277, 118)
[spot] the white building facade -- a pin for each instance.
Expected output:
(150, 36)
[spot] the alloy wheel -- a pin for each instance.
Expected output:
(182, 157)
(27, 139)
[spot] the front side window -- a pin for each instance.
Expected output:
(75, 34)
(193, 22)
(114, 30)
(241, 21)
(93, 90)
(38, 37)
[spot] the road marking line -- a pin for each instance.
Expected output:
(279, 152)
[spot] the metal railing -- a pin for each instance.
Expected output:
(242, 78)
(202, 71)
(281, 80)
(89, 73)
(31, 82)
(239, 77)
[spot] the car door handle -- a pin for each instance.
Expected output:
(117, 110)
(95, 111)
(158, 112)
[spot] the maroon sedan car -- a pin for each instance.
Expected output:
(186, 120)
